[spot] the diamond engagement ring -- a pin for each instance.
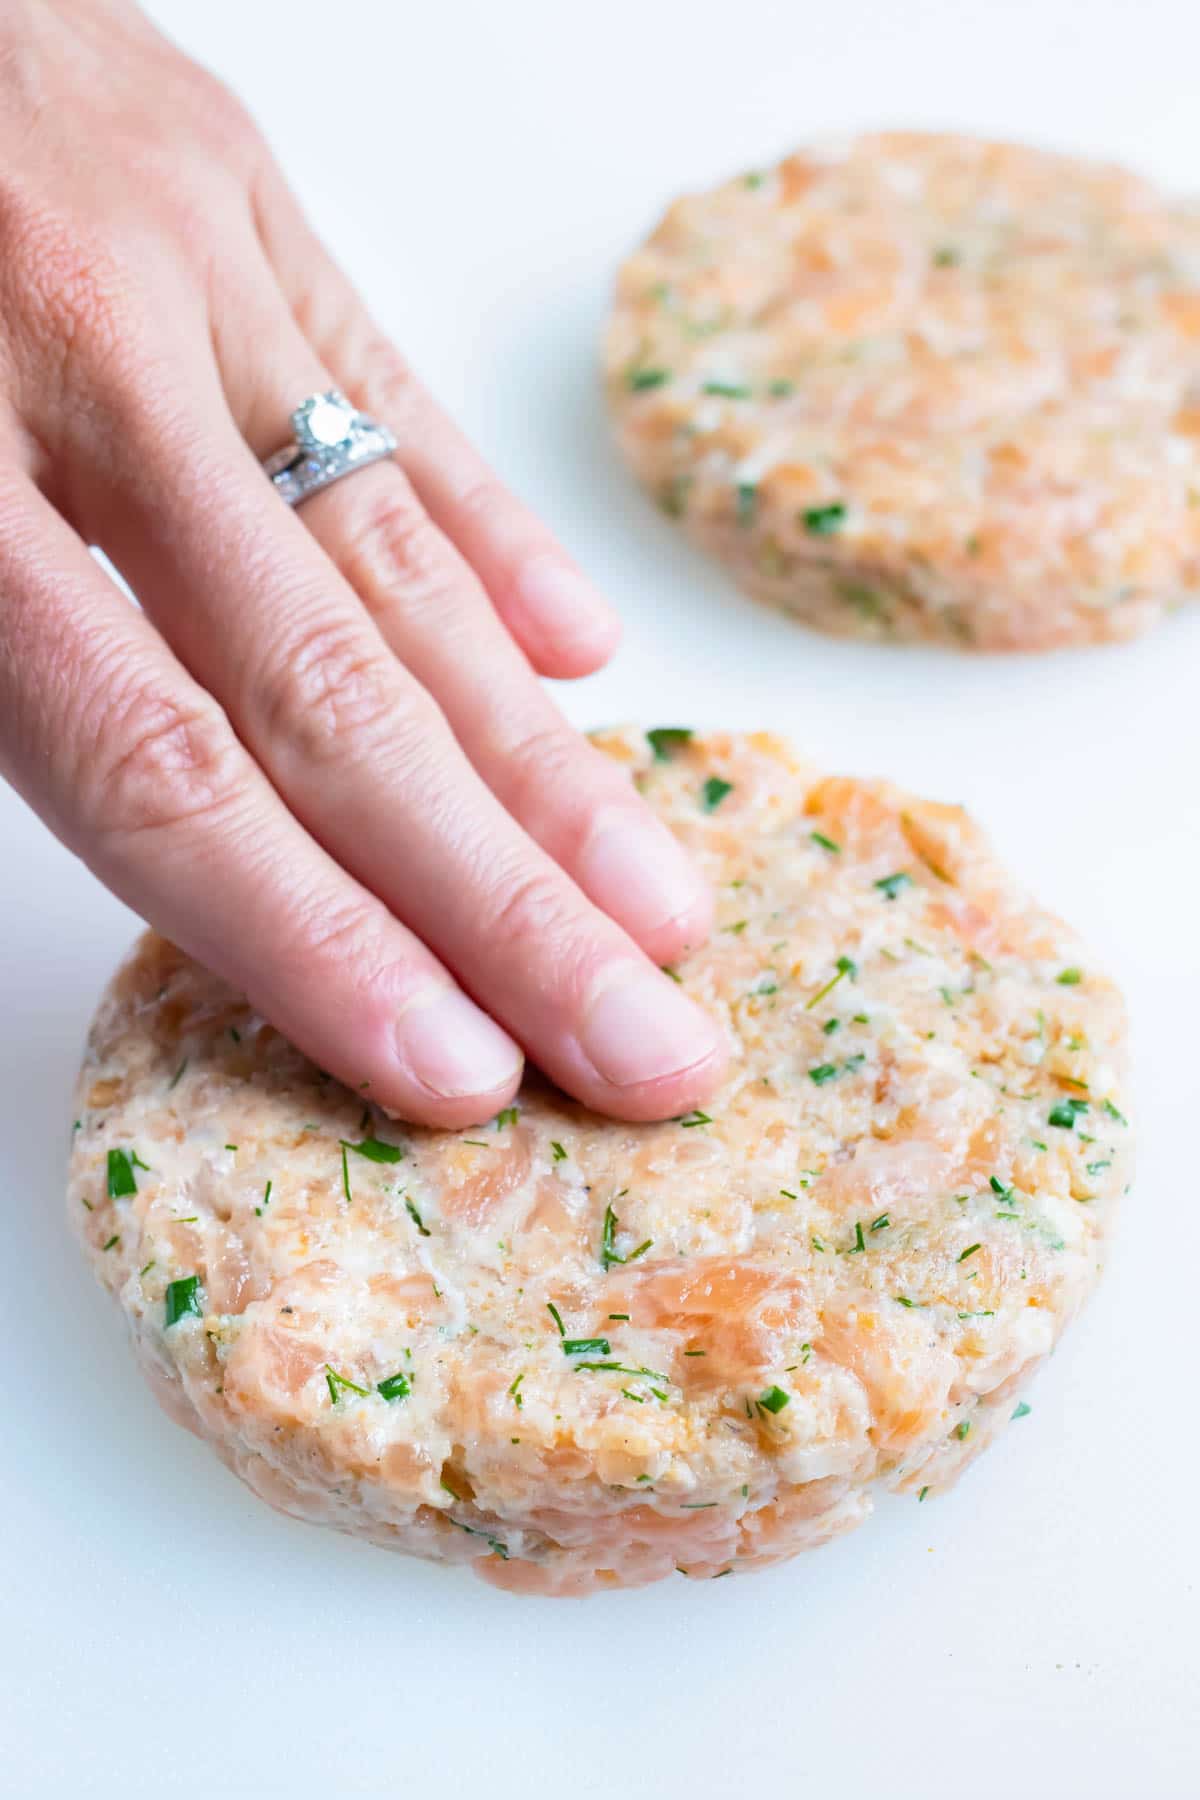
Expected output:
(332, 439)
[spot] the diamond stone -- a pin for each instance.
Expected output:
(323, 422)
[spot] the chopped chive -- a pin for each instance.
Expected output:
(415, 1216)
(479, 1143)
(609, 1254)
(998, 1187)
(1069, 978)
(726, 390)
(1112, 1112)
(666, 738)
(142, 1272)
(822, 1073)
(335, 1383)
(177, 1077)
(779, 390)
(961, 1429)
(586, 1347)
(121, 1179)
(672, 974)
(715, 791)
(696, 1118)
(394, 1387)
(859, 1243)
(881, 1223)
(891, 884)
(845, 965)
(826, 843)
(695, 1353)
(557, 1317)
(182, 1298)
(903, 1300)
(640, 380)
(1065, 1114)
(969, 1251)
(747, 502)
(114, 1239)
(816, 1243)
(788, 1194)
(346, 1177)
(774, 1400)
(514, 1391)
(1022, 1410)
(945, 258)
(922, 1493)
(823, 521)
(374, 1150)
(618, 1315)
(507, 1117)
(617, 1368)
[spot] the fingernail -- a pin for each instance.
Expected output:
(453, 1049)
(641, 1029)
(561, 603)
(643, 878)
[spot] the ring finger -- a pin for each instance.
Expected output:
(366, 760)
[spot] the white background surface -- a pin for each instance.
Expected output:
(1036, 1632)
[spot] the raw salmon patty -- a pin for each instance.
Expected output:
(577, 1353)
(925, 387)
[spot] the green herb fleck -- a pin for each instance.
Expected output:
(182, 1298)
(726, 390)
(609, 1254)
(415, 1216)
(337, 1383)
(1112, 1112)
(922, 1493)
(121, 1179)
(844, 965)
(177, 1077)
(640, 380)
(961, 1429)
(375, 1150)
(822, 1073)
(1069, 978)
(695, 1118)
(667, 738)
(394, 1387)
(823, 521)
(505, 1118)
(774, 1400)
(747, 502)
(1066, 1113)
(557, 1150)
(715, 791)
(969, 1251)
(557, 1317)
(514, 1391)
(1021, 1410)
(113, 1240)
(586, 1347)
(826, 843)
(891, 884)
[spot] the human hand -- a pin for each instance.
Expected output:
(319, 758)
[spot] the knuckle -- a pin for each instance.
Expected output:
(344, 937)
(71, 297)
(336, 695)
(160, 764)
(390, 539)
(534, 908)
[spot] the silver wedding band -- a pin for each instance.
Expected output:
(331, 438)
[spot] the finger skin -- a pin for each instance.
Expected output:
(135, 768)
(430, 608)
(555, 614)
(366, 760)
(578, 804)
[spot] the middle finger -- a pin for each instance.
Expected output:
(365, 759)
